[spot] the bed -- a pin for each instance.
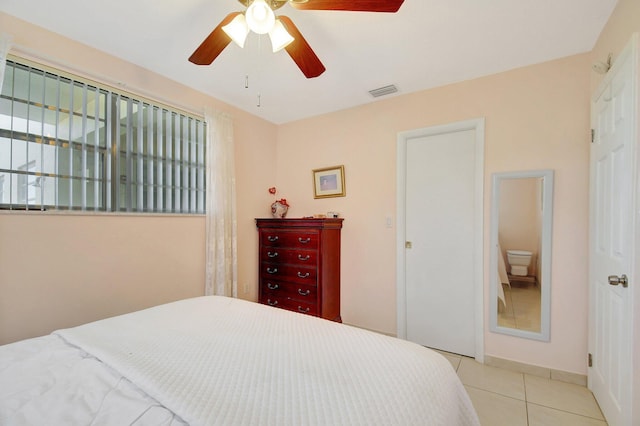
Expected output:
(221, 361)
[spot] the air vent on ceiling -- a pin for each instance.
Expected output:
(383, 91)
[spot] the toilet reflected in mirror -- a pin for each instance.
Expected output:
(521, 251)
(519, 261)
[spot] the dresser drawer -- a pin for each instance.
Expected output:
(291, 239)
(301, 292)
(291, 273)
(290, 256)
(290, 304)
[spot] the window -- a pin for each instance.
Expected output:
(68, 144)
(27, 183)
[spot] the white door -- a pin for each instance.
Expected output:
(440, 246)
(612, 239)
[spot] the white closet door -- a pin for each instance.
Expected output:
(440, 252)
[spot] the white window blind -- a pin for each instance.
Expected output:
(67, 144)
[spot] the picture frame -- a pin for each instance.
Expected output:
(329, 182)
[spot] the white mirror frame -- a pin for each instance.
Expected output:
(545, 255)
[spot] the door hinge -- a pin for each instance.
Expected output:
(590, 360)
(593, 135)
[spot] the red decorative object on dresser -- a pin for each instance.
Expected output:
(300, 265)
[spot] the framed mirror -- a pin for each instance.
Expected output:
(520, 256)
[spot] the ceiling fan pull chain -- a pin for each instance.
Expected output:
(246, 81)
(258, 100)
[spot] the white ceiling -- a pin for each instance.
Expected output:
(428, 43)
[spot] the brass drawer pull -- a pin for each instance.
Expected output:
(304, 241)
(301, 275)
(303, 310)
(272, 271)
(272, 302)
(301, 257)
(272, 286)
(302, 292)
(272, 254)
(272, 238)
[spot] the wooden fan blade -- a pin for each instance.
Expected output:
(214, 44)
(350, 5)
(301, 52)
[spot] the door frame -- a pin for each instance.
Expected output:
(476, 125)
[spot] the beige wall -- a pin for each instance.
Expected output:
(58, 270)
(536, 117)
(63, 270)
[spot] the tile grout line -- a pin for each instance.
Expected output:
(526, 401)
(497, 393)
(569, 412)
(537, 405)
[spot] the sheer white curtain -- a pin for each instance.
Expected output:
(221, 252)
(5, 45)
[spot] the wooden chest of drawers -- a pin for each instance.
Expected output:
(300, 265)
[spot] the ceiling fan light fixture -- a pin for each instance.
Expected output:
(280, 37)
(237, 30)
(260, 18)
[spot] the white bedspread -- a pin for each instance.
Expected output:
(45, 381)
(222, 361)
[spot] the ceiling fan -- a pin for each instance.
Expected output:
(259, 17)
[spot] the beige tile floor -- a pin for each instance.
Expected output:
(503, 397)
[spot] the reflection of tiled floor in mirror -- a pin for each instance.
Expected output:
(522, 309)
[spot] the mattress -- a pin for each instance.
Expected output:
(221, 361)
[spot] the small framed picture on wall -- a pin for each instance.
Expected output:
(328, 182)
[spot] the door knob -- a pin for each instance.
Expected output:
(616, 280)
